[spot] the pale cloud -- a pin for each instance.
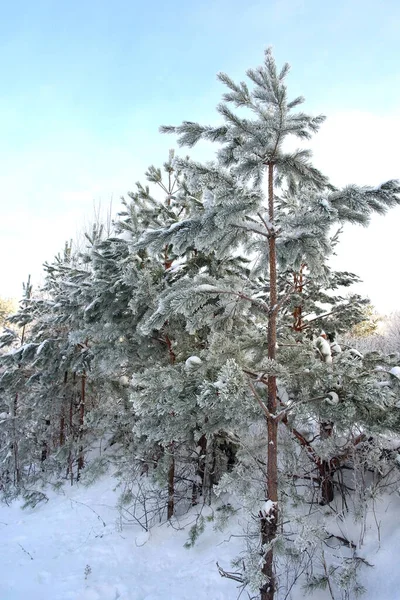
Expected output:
(362, 148)
(358, 147)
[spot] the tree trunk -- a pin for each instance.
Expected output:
(326, 469)
(70, 470)
(62, 428)
(171, 470)
(81, 459)
(44, 453)
(171, 490)
(269, 522)
(62, 413)
(298, 289)
(14, 445)
(198, 484)
(167, 261)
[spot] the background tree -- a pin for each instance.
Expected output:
(7, 307)
(369, 325)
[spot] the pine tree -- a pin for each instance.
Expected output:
(290, 232)
(170, 429)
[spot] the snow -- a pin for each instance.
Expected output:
(193, 362)
(323, 346)
(336, 348)
(176, 225)
(91, 305)
(208, 199)
(220, 384)
(326, 204)
(178, 265)
(204, 287)
(332, 398)
(75, 547)
(41, 346)
(125, 235)
(395, 371)
(355, 353)
(268, 507)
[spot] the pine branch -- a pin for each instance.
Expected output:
(260, 402)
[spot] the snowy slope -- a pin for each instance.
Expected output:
(46, 550)
(73, 548)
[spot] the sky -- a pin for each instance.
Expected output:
(86, 85)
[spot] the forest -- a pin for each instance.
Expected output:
(201, 348)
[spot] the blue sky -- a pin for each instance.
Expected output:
(85, 86)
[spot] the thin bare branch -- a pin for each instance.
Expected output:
(259, 400)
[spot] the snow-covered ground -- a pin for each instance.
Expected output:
(74, 548)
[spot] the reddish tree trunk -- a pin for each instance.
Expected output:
(269, 523)
(167, 261)
(171, 352)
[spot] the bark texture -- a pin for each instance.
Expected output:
(269, 523)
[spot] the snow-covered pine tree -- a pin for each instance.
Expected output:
(72, 403)
(85, 343)
(241, 209)
(10, 475)
(169, 426)
(50, 382)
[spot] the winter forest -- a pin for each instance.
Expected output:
(200, 352)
